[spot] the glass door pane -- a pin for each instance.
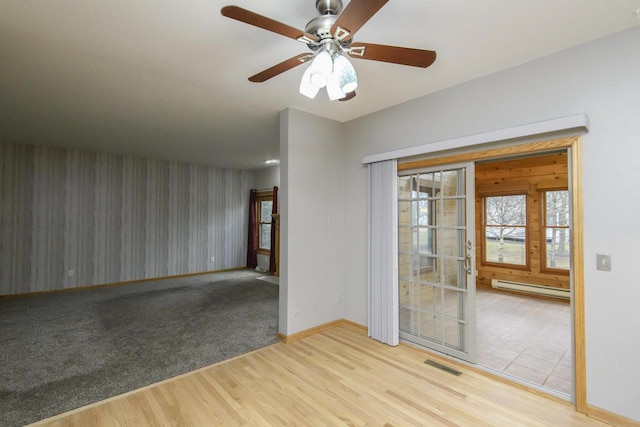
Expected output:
(436, 263)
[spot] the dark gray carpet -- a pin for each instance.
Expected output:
(62, 351)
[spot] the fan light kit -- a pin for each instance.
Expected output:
(329, 37)
(332, 70)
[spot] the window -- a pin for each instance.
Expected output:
(416, 220)
(556, 230)
(422, 210)
(505, 230)
(265, 205)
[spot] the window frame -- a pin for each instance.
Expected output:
(430, 190)
(415, 186)
(266, 196)
(527, 228)
(543, 234)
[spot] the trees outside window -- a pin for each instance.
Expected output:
(505, 229)
(556, 230)
(264, 209)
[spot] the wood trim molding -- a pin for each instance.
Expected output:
(287, 339)
(610, 417)
(580, 356)
(109, 285)
(493, 153)
(504, 189)
(557, 184)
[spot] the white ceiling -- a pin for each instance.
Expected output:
(167, 79)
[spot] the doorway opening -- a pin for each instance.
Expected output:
(570, 365)
(523, 261)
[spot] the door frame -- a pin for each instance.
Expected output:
(574, 147)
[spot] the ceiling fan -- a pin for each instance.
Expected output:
(329, 37)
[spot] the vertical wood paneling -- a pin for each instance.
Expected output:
(178, 218)
(16, 176)
(108, 214)
(247, 184)
(216, 218)
(156, 242)
(80, 222)
(134, 213)
(198, 220)
(236, 216)
(221, 223)
(48, 215)
(111, 218)
(229, 243)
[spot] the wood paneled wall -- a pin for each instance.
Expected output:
(532, 174)
(111, 218)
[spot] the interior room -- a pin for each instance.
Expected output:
(132, 134)
(529, 338)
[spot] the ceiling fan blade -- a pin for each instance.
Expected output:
(252, 18)
(281, 68)
(356, 14)
(349, 96)
(393, 54)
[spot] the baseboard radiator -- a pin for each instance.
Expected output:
(530, 288)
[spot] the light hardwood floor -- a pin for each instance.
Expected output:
(336, 377)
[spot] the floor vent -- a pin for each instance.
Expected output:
(442, 367)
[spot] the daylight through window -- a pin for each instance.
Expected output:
(556, 229)
(505, 229)
(265, 205)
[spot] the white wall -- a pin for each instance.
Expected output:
(600, 79)
(312, 226)
(266, 178)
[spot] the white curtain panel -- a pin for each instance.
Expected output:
(383, 252)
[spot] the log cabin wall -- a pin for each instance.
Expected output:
(532, 176)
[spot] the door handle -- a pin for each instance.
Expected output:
(467, 258)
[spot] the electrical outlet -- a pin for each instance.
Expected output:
(70, 273)
(213, 259)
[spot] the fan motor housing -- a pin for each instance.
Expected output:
(329, 7)
(321, 26)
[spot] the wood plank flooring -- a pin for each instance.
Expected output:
(336, 377)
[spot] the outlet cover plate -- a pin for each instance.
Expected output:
(603, 262)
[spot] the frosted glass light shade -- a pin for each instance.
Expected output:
(347, 79)
(321, 68)
(306, 88)
(333, 87)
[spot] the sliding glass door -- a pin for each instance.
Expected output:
(436, 261)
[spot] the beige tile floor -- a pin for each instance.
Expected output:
(528, 338)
